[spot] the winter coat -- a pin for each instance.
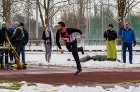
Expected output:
(110, 35)
(48, 38)
(128, 36)
(17, 35)
(3, 32)
(11, 31)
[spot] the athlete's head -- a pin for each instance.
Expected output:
(61, 25)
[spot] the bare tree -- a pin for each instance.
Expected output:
(123, 7)
(50, 8)
(69, 17)
(81, 12)
(74, 14)
(11, 7)
(6, 9)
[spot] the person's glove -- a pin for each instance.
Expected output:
(134, 43)
(122, 28)
(47, 42)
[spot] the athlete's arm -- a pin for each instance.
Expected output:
(58, 43)
(72, 30)
(57, 40)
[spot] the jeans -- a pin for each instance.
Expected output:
(124, 47)
(48, 48)
(23, 53)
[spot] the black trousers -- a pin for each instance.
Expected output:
(72, 47)
(17, 45)
(11, 54)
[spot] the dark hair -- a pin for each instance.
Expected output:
(21, 24)
(61, 23)
(110, 25)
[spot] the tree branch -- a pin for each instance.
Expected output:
(41, 16)
(109, 16)
(134, 5)
(107, 4)
(129, 7)
(55, 13)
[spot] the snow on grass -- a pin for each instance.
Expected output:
(64, 88)
(61, 60)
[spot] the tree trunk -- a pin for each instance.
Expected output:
(45, 7)
(6, 10)
(47, 12)
(121, 11)
(41, 16)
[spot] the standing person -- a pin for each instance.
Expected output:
(110, 36)
(11, 30)
(128, 39)
(3, 42)
(71, 42)
(16, 38)
(25, 40)
(48, 38)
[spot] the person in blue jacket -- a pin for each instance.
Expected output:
(128, 39)
(11, 30)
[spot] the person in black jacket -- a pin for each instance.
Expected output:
(3, 42)
(71, 42)
(16, 38)
(25, 40)
(110, 35)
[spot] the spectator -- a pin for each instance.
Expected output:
(128, 39)
(110, 36)
(48, 38)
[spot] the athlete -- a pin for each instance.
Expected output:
(71, 43)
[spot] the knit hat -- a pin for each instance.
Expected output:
(110, 25)
(3, 23)
(16, 23)
(21, 24)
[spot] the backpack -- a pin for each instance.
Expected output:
(25, 37)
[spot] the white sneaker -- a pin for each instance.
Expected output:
(11, 61)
